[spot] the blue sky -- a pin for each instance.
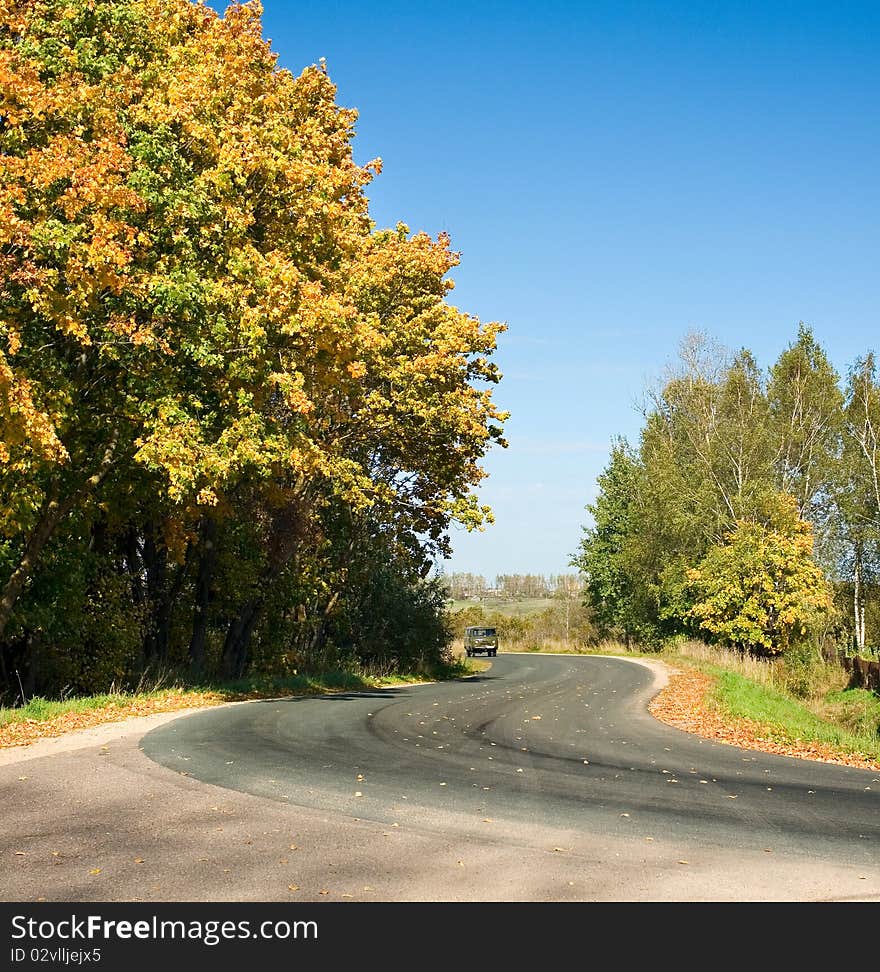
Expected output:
(614, 174)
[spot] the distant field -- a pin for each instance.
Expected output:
(509, 608)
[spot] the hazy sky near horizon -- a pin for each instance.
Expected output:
(615, 175)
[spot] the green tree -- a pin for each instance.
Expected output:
(806, 422)
(719, 442)
(857, 489)
(613, 590)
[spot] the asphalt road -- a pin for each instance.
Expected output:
(543, 779)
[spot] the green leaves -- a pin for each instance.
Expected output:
(703, 528)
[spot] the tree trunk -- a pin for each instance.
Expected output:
(164, 582)
(238, 637)
(134, 565)
(858, 606)
(207, 562)
(155, 568)
(282, 543)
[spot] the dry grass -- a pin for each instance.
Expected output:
(764, 671)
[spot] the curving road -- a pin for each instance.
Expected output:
(543, 779)
(552, 739)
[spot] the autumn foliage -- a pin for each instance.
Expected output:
(224, 394)
(761, 588)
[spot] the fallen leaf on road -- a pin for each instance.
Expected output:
(323, 892)
(95, 870)
(293, 887)
(684, 862)
(139, 860)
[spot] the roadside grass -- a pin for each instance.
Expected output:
(42, 718)
(822, 710)
(39, 709)
(476, 665)
(562, 647)
(856, 709)
(790, 720)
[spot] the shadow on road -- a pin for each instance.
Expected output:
(383, 693)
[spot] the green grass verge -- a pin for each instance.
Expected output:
(848, 720)
(43, 710)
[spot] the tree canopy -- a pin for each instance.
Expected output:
(748, 511)
(209, 355)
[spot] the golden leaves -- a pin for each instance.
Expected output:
(27, 429)
(196, 229)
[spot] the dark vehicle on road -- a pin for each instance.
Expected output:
(478, 639)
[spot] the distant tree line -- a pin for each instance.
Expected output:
(565, 624)
(461, 585)
(236, 419)
(748, 512)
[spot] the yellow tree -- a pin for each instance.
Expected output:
(761, 588)
(192, 290)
